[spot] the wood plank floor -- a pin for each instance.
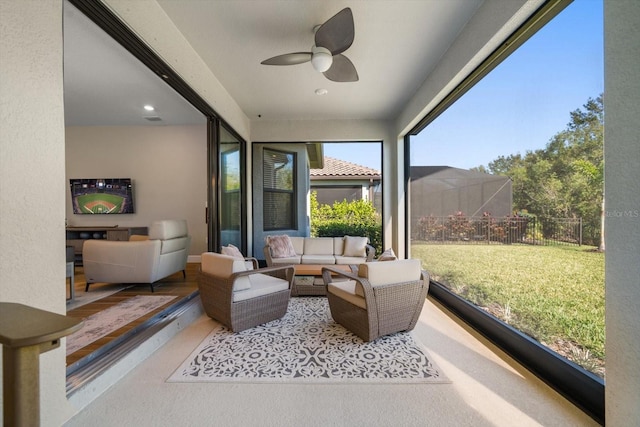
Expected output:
(172, 285)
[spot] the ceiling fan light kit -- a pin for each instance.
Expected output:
(331, 39)
(321, 59)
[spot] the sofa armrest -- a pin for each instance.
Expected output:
(426, 277)
(267, 255)
(329, 272)
(253, 261)
(285, 272)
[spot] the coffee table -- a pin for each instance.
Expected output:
(308, 278)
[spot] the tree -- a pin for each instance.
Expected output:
(502, 165)
(566, 178)
(595, 176)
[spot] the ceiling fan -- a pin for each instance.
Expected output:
(331, 39)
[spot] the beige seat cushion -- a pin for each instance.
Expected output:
(347, 291)
(298, 244)
(350, 259)
(233, 251)
(338, 245)
(384, 273)
(224, 266)
(286, 261)
(318, 259)
(355, 246)
(318, 246)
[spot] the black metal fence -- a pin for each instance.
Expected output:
(487, 229)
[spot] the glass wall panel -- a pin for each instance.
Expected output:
(506, 189)
(230, 190)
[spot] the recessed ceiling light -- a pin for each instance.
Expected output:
(149, 107)
(321, 91)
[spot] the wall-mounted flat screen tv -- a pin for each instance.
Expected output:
(102, 196)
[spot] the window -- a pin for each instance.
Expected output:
(278, 204)
(505, 210)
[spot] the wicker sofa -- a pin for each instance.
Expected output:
(309, 254)
(321, 251)
(384, 297)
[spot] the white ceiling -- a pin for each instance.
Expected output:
(104, 85)
(397, 43)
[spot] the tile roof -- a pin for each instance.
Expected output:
(335, 167)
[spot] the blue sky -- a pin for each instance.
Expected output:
(520, 105)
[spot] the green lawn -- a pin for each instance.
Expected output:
(553, 293)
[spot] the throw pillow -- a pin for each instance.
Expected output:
(281, 246)
(355, 246)
(232, 251)
(387, 255)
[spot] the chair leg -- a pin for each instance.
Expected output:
(184, 274)
(151, 284)
(86, 288)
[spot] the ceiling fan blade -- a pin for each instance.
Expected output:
(337, 33)
(342, 70)
(288, 59)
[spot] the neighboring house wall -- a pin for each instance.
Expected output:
(301, 185)
(342, 180)
(168, 165)
(329, 193)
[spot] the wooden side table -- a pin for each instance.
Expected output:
(25, 333)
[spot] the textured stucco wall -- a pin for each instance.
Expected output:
(622, 199)
(32, 260)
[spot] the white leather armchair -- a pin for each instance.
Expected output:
(141, 261)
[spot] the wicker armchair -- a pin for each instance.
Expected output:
(241, 297)
(383, 298)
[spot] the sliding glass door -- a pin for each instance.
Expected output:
(230, 190)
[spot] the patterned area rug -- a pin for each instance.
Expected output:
(306, 345)
(96, 292)
(106, 321)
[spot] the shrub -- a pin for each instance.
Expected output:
(429, 228)
(357, 218)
